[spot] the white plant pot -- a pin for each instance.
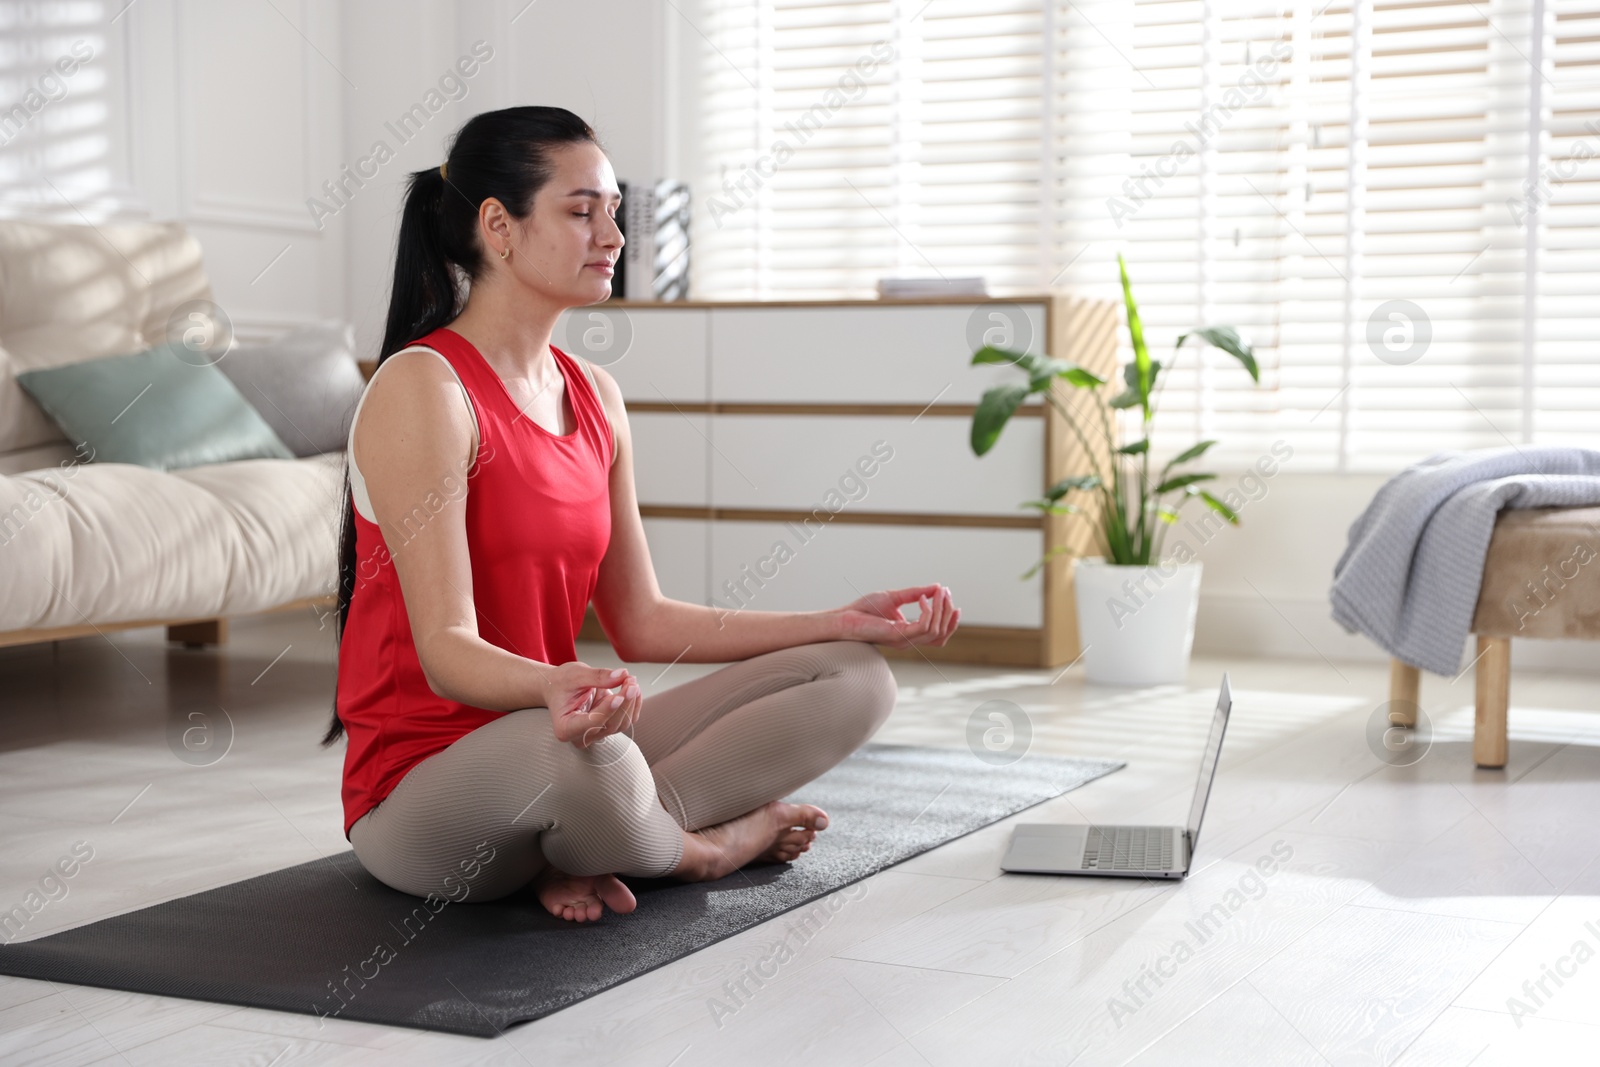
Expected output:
(1136, 624)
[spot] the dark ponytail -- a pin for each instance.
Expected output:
(502, 154)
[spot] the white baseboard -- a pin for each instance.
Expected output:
(1246, 624)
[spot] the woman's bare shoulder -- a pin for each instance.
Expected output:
(410, 389)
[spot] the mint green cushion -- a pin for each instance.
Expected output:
(154, 409)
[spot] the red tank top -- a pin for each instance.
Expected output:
(538, 522)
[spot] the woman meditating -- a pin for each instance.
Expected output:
(490, 499)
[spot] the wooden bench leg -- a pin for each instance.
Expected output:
(1405, 686)
(196, 634)
(1493, 682)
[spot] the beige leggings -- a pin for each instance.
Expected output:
(481, 818)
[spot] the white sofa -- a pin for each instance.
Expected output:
(89, 547)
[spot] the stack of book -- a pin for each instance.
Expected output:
(905, 288)
(655, 258)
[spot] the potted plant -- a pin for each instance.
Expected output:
(1136, 610)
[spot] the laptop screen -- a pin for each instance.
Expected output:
(1208, 764)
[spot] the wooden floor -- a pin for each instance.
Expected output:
(1430, 913)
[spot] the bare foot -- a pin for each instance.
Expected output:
(578, 897)
(776, 831)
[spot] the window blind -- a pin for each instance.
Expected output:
(845, 142)
(1396, 202)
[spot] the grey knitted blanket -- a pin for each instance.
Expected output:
(1409, 577)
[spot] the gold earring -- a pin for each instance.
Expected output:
(505, 252)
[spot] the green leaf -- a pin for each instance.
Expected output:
(1040, 369)
(1227, 338)
(1181, 481)
(992, 354)
(1187, 454)
(1215, 505)
(1053, 509)
(1130, 373)
(1139, 446)
(1168, 515)
(1126, 399)
(1130, 377)
(1027, 362)
(1081, 378)
(1077, 481)
(994, 410)
(1114, 524)
(1141, 353)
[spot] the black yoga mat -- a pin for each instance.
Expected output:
(285, 940)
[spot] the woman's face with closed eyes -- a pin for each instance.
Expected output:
(568, 245)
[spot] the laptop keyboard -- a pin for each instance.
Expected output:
(1129, 848)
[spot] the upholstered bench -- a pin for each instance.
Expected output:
(1541, 578)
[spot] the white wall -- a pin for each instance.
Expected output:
(396, 51)
(222, 115)
(230, 115)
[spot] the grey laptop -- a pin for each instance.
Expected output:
(1122, 851)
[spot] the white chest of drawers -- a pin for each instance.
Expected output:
(794, 456)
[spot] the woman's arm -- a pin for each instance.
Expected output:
(413, 440)
(646, 627)
(694, 633)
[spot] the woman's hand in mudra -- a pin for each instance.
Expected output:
(876, 617)
(583, 708)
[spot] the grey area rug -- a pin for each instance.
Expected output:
(311, 938)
